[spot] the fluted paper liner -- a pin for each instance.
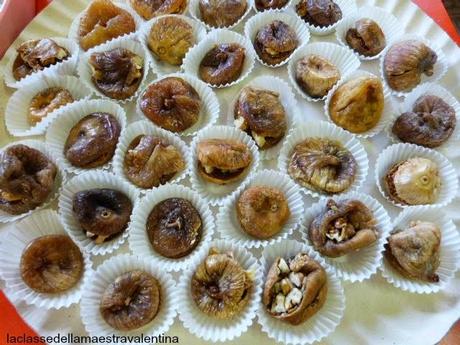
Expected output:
(139, 242)
(323, 322)
(347, 7)
(362, 264)
(41, 223)
(388, 110)
(449, 251)
(106, 274)
(282, 9)
(192, 60)
(147, 128)
(17, 108)
(385, 20)
(210, 328)
(68, 117)
(86, 181)
(322, 129)
(210, 106)
(162, 67)
(345, 61)
(58, 181)
(440, 67)
(129, 43)
(257, 22)
(216, 194)
(65, 67)
(287, 99)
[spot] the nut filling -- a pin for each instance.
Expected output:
(47, 101)
(295, 289)
(320, 13)
(366, 37)
(220, 287)
(343, 227)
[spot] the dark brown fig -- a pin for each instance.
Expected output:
(222, 13)
(148, 9)
(366, 37)
(320, 13)
(263, 5)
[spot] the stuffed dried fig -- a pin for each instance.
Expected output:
(131, 301)
(343, 227)
(322, 165)
(102, 213)
(357, 105)
(263, 5)
(47, 101)
(103, 21)
(366, 37)
(415, 181)
(35, 55)
(316, 75)
(148, 9)
(275, 42)
(222, 13)
(261, 114)
(51, 264)
(320, 13)
(27, 179)
(174, 228)
(415, 251)
(117, 73)
(223, 64)
(430, 123)
(170, 39)
(222, 161)
(262, 211)
(406, 62)
(295, 289)
(220, 287)
(150, 161)
(92, 141)
(172, 104)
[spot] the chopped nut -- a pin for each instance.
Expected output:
(293, 298)
(286, 286)
(283, 266)
(240, 123)
(278, 306)
(260, 140)
(296, 278)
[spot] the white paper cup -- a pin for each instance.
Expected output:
(282, 9)
(345, 61)
(347, 7)
(41, 223)
(397, 153)
(322, 129)
(210, 106)
(161, 67)
(17, 108)
(440, 67)
(65, 67)
(362, 264)
(385, 20)
(320, 324)
(106, 274)
(227, 218)
(147, 128)
(58, 181)
(257, 22)
(126, 42)
(211, 192)
(194, 9)
(85, 181)
(408, 105)
(450, 251)
(209, 328)
(75, 26)
(67, 117)
(287, 99)
(192, 60)
(139, 242)
(388, 110)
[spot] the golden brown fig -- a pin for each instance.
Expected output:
(295, 289)
(357, 105)
(222, 13)
(415, 252)
(27, 178)
(47, 101)
(131, 301)
(51, 264)
(220, 287)
(322, 165)
(406, 62)
(319, 12)
(366, 37)
(263, 5)
(343, 227)
(148, 9)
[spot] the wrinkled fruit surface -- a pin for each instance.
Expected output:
(222, 13)
(366, 37)
(148, 9)
(262, 5)
(47, 101)
(320, 13)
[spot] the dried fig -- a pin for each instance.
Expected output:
(47, 101)
(222, 13)
(148, 9)
(320, 13)
(263, 5)
(366, 37)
